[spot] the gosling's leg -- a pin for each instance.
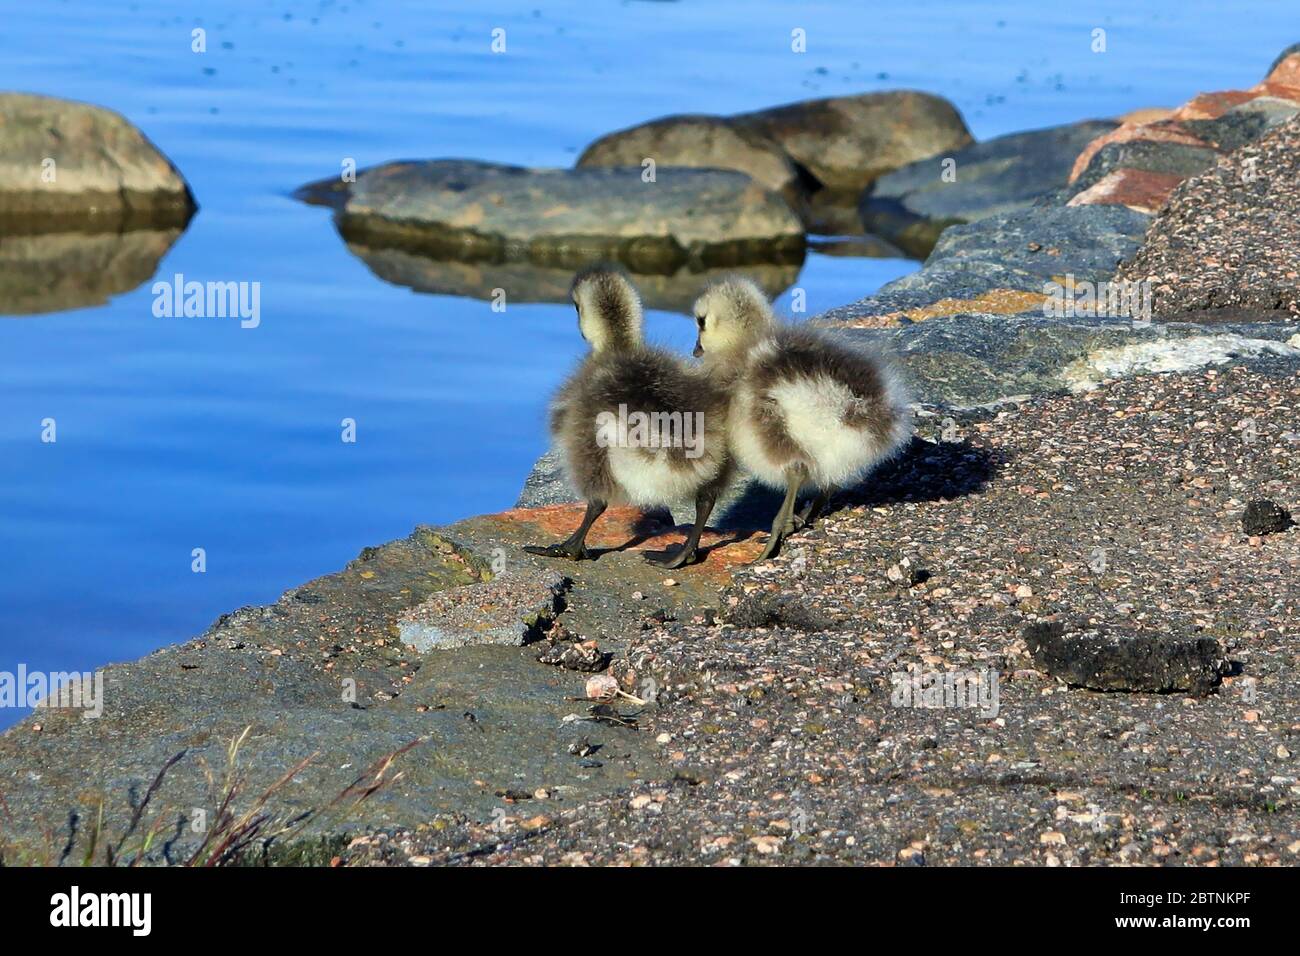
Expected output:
(784, 522)
(575, 547)
(689, 553)
(813, 509)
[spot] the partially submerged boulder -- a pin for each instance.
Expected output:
(468, 210)
(818, 154)
(62, 161)
(912, 205)
(712, 142)
(848, 141)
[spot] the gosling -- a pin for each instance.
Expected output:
(614, 420)
(804, 411)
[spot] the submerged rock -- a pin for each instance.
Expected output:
(911, 206)
(474, 211)
(1099, 659)
(65, 162)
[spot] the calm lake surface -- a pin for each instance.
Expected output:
(176, 434)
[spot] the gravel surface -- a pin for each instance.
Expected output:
(1230, 237)
(1120, 508)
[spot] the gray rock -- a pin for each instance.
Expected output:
(546, 484)
(1105, 660)
(847, 141)
(1263, 516)
(514, 608)
(1229, 238)
(1244, 123)
(1020, 250)
(318, 674)
(973, 359)
(911, 206)
(1178, 159)
(466, 210)
(66, 162)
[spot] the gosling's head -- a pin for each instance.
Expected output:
(609, 309)
(732, 314)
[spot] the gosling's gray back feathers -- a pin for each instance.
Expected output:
(799, 398)
(609, 308)
(682, 446)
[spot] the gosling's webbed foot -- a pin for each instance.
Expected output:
(565, 549)
(674, 559)
(772, 549)
(807, 516)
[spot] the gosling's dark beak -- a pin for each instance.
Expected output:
(699, 349)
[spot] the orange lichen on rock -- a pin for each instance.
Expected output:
(995, 301)
(631, 529)
(613, 529)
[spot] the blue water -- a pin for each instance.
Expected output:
(176, 434)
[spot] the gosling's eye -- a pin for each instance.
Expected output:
(700, 320)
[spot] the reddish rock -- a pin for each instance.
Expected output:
(1213, 105)
(1286, 73)
(630, 529)
(1135, 188)
(1161, 132)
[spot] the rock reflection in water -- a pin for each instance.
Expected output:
(525, 281)
(54, 272)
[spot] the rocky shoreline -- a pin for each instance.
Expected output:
(1078, 531)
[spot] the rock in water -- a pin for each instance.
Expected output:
(912, 205)
(1265, 517)
(462, 209)
(1100, 659)
(513, 608)
(62, 161)
(848, 141)
(711, 142)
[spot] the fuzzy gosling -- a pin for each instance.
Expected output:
(634, 424)
(805, 410)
